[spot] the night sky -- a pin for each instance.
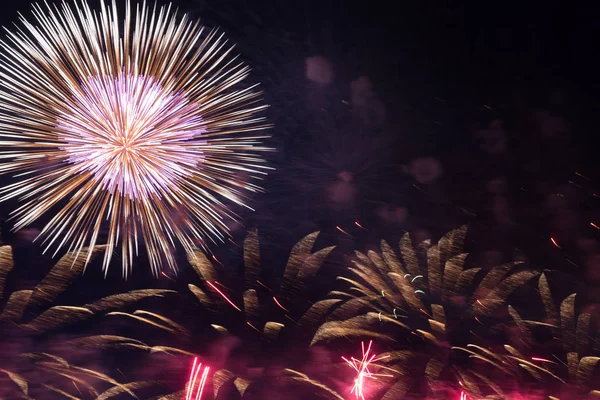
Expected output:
(443, 71)
(446, 76)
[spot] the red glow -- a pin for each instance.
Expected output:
(191, 386)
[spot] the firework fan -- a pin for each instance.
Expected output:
(37, 354)
(141, 120)
(256, 326)
(554, 357)
(428, 306)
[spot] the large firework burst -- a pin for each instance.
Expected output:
(138, 121)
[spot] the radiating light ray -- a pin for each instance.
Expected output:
(361, 367)
(130, 129)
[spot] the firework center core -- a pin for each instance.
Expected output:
(131, 134)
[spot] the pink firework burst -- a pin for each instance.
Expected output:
(194, 385)
(361, 367)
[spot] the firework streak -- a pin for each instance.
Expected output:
(192, 386)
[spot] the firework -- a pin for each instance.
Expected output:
(562, 366)
(427, 300)
(362, 369)
(196, 367)
(36, 356)
(150, 129)
(245, 318)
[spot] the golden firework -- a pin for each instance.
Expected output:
(250, 313)
(37, 358)
(556, 356)
(141, 121)
(419, 304)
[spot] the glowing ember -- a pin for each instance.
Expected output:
(362, 370)
(192, 387)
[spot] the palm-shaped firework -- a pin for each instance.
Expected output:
(555, 357)
(427, 305)
(139, 121)
(252, 319)
(38, 357)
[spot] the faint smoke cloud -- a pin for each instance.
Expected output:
(366, 102)
(493, 139)
(343, 191)
(425, 170)
(319, 70)
(551, 126)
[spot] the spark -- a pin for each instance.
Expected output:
(343, 231)
(253, 327)
(554, 242)
(76, 387)
(542, 360)
(263, 285)
(481, 304)
(131, 119)
(415, 278)
(382, 293)
(167, 276)
(196, 367)
(594, 225)
(217, 260)
(279, 304)
(360, 226)
(209, 283)
(419, 291)
(362, 369)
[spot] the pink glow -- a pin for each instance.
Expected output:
(362, 369)
(132, 135)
